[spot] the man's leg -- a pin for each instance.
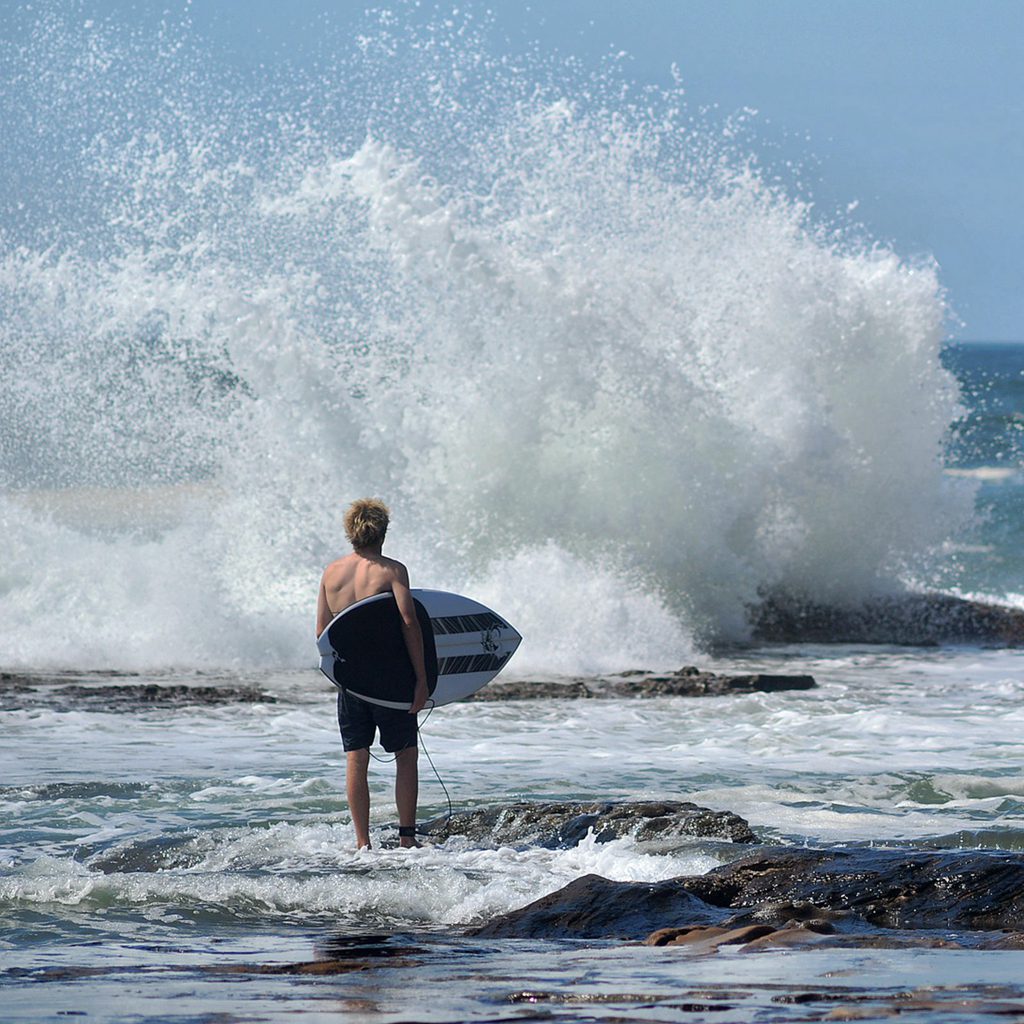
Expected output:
(406, 790)
(359, 794)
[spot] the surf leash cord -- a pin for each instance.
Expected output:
(437, 774)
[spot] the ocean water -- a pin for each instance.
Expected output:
(153, 859)
(988, 447)
(614, 376)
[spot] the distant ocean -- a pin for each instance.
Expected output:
(613, 379)
(988, 447)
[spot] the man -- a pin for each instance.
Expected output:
(353, 578)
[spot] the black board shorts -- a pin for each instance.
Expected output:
(358, 720)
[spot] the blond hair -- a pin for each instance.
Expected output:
(366, 522)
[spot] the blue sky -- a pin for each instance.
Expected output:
(915, 109)
(912, 108)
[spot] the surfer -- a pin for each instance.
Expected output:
(353, 578)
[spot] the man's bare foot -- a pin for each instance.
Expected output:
(407, 843)
(407, 837)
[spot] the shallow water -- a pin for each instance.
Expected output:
(409, 978)
(145, 849)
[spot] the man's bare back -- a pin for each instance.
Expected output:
(355, 578)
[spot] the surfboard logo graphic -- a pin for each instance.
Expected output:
(490, 640)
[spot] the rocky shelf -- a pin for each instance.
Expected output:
(849, 896)
(688, 681)
(905, 619)
(21, 691)
(562, 825)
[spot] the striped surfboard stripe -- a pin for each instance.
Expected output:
(470, 663)
(467, 624)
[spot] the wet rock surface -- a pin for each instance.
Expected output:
(19, 691)
(906, 619)
(976, 890)
(703, 938)
(593, 907)
(561, 825)
(850, 892)
(688, 681)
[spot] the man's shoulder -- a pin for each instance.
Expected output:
(394, 566)
(338, 562)
(338, 566)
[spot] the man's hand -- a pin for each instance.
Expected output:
(419, 697)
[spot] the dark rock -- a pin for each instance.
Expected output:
(709, 684)
(153, 853)
(686, 682)
(349, 946)
(593, 907)
(856, 890)
(784, 913)
(977, 890)
(910, 619)
(575, 690)
(17, 694)
(561, 825)
(174, 695)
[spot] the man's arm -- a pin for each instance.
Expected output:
(412, 633)
(323, 610)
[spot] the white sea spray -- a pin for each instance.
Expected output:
(610, 374)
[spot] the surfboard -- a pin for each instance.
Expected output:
(465, 645)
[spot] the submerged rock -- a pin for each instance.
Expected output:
(851, 891)
(703, 938)
(686, 682)
(560, 825)
(708, 937)
(908, 619)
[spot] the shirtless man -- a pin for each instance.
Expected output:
(357, 576)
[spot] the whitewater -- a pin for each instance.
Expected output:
(616, 375)
(564, 338)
